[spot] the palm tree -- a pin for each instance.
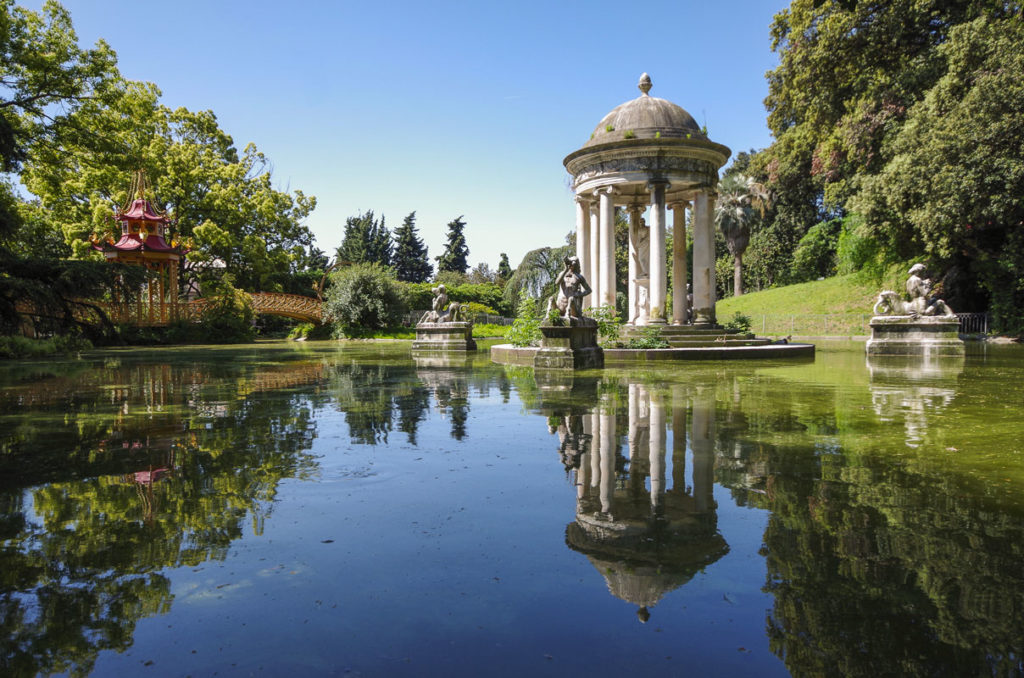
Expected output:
(739, 199)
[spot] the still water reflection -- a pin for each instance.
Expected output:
(326, 510)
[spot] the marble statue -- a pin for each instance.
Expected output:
(921, 303)
(572, 287)
(442, 311)
(641, 236)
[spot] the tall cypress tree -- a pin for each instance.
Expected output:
(366, 240)
(504, 269)
(410, 256)
(456, 253)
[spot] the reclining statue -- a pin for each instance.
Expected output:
(921, 302)
(442, 311)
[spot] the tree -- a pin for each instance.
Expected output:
(366, 241)
(482, 273)
(456, 254)
(952, 188)
(410, 256)
(504, 270)
(45, 80)
(851, 75)
(536, 274)
(224, 203)
(740, 199)
(361, 297)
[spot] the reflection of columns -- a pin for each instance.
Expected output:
(658, 274)
(607, 460)
(678, 439)
(583, 470)
(583, 241)
(631, 285)
(606, 273)
(595, 257)
(703, 442)
(679, 305)
(656, 450)
(595, 449)
(703, 260)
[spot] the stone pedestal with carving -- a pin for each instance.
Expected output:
(444, 337)
(569, 347)
(924, 335)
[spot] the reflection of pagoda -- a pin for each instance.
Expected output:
(142, 242)
(645, 542)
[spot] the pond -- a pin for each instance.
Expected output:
(339, 509)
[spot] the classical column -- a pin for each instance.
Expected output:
(679, 304)
(634, 223)
(656, 450)
(583, 241)
(678, 439)
(595, 257)
(658, 282)
(702, 438)
(703, 259)
(607, 459)
(607, 268)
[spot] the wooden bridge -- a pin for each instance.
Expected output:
(158, 313)
(306, 309)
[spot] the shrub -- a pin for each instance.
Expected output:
(17, 346)
(608, 323)
(417, 296)
(363, 297)
(229, 317)
(525, 331)
(650, 338)
(738, 322)
(856, 250)
(309, 331)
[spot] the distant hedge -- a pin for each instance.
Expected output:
(419, 297)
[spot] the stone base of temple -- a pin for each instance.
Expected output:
(444, 337)
(568, 348)
(693, 336)
(924, 336)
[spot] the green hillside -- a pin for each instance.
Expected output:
(834, 306)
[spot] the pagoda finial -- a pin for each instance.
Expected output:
(137, 191)
(644, 84)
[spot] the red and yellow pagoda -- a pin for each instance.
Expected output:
(143, 242)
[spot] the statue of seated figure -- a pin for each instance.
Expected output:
(572, 287)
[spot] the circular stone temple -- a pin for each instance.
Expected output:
(648, 152)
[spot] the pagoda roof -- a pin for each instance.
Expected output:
(133, 242)
(141, 210)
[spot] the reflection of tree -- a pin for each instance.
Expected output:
(881, 560)
(143, 486)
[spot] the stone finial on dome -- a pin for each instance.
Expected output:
(644, 84)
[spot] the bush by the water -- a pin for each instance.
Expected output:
(363, 297)
(525, 331)
(17, 346)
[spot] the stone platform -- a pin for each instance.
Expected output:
(444, 337)
(688, 336)
(568, 347)
(508, 354)
(924, 335)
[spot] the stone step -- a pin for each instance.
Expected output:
(703, 343)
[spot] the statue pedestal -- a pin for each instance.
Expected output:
(569, 347)
(924, 335)
(444, 337)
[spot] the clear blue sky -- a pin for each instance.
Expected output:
(445, 108)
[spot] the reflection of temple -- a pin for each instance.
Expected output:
(637, 521)
(915, 389)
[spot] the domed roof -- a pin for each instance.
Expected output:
(645, 117)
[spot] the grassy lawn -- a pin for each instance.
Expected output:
(839, 306)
